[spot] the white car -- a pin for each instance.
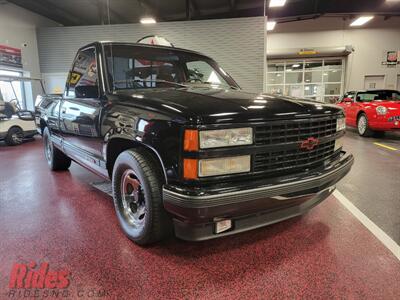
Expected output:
(15, 124)
(17, 128)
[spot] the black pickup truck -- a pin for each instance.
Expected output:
(186, 149)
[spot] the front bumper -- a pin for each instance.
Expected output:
(265, 202)
(385, 123)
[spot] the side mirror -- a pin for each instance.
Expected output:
(347, 100)
(87, 91)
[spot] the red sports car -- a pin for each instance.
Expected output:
(372, 111)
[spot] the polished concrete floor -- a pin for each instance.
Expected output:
(60, 219)
(373, 184)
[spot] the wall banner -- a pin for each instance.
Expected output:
(391, 58)
(10, 57)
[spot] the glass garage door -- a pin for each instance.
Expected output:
(318, 79)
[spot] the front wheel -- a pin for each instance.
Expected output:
(56, 160)
(137, 184)
(362, 126)
(15, 136)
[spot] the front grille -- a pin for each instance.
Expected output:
(294, 130)
(293, 159)
(395, 118)
(288, 157)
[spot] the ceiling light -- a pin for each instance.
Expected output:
(361, 20)
(148, 21)
(276, 3)
(271, 25)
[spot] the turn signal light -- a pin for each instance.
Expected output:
(191, 140)
(190, 168)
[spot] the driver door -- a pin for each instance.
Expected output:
(80, 110)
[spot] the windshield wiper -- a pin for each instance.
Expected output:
(150, 80)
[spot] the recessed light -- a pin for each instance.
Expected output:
(271, 25)
(148, 21)
(361, 20)
(256, 106)
(276, 3)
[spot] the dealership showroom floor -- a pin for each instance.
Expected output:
(60, 235)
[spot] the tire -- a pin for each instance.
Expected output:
(56, 160)
(137, 180)
(362, 126)
(15, 136)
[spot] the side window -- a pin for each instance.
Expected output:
(201, 71)
(83, 80)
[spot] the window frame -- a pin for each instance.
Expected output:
(321, 97)
(99, 79)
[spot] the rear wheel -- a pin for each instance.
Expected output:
(15, 136)
(137, 180)
(362, 126)
(56, 160)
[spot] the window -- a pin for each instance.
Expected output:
(12, 91)
(132, 67)
(317, 79)
(383, 95)
(201, 71)
(82, 80)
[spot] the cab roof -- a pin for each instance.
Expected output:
(102, 43)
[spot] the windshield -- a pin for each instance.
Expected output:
(378, 95)
(135, 67)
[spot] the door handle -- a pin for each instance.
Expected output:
(74, 108)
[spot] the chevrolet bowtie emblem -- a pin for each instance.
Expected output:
(309, 143)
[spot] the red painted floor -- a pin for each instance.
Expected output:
(60, 219)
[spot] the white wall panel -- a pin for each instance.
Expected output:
(236, 44)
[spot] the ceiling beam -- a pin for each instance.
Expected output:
(107, 15)
(50, 11)
(192, 10)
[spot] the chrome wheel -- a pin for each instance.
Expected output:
(133, 200)
(362, 124)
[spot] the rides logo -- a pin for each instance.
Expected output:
(31, 276)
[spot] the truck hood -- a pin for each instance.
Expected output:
(210, 105)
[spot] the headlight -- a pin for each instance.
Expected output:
(223, 166)
(381, 110)
(340, 124)
(226, 137)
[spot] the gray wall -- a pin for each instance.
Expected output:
(18, 29)
(236, 44)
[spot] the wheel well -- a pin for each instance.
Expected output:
(359, 114)
(14, 126)
(118, 145)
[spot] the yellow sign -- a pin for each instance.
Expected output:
(74, 78)
(307, 52)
